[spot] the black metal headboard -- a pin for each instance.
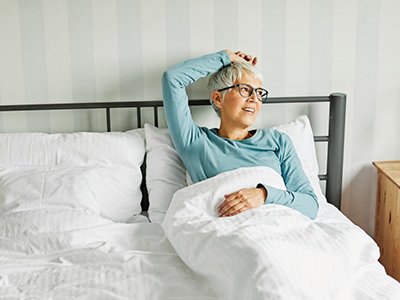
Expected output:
(335, 137)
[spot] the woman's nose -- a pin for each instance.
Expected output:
(252, 97)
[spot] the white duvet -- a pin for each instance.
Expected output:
(273, 252)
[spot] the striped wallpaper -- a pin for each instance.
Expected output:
(108, 50)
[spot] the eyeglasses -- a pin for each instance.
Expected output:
(246, 90)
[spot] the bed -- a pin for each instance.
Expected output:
(113, 215)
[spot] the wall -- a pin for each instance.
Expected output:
(107, 50)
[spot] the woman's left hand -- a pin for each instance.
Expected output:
(241, 201)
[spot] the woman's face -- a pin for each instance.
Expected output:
(238, 111)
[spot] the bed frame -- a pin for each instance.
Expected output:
(335, 137)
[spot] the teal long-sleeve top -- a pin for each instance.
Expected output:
(206, 154)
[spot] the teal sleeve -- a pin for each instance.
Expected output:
(299, 194)
(174, 82)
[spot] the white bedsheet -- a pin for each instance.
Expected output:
(75, 254)
(273, 252)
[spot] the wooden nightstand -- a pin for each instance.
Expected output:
(387, 220)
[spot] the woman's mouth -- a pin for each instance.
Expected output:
(249, 109)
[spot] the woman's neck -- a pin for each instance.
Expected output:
(238, 134)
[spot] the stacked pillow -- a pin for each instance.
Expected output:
(165, 172)
(99, 172)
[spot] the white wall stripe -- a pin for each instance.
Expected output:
(80, 15)
(365, 90)
(106, 55)
(387, 82)
(11, 75)
(202, 33)
(273, 56)
(202, 39)
(130, 37)
(297, 51)
(106, 50)
(82, 50)
(343, 76)
(58, 61)
(34, 61)
(321, 25)
(178, 32)
(320, 69)
(297, 55)
(33, 51)
(11, 70)
(226, 14)
(154, 46)
(250, 31)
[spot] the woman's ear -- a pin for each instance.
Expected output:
(216, 98)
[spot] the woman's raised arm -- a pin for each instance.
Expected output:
(174, 82)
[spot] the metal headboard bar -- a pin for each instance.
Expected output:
(337, 118)
(135, 104)
(335, 138)
(139, 118)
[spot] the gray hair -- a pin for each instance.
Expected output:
(230, 74)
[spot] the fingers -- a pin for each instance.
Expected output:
(228, 204)
(234, 210)
(247, 57)
(239, 55)
(241, 200)
(243, 55)
(233, 204)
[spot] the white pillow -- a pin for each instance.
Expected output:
(165, 172)
(302, 137)
(95, 171)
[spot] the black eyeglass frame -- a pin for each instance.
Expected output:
(263, 100)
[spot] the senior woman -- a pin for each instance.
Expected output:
(236, 94)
